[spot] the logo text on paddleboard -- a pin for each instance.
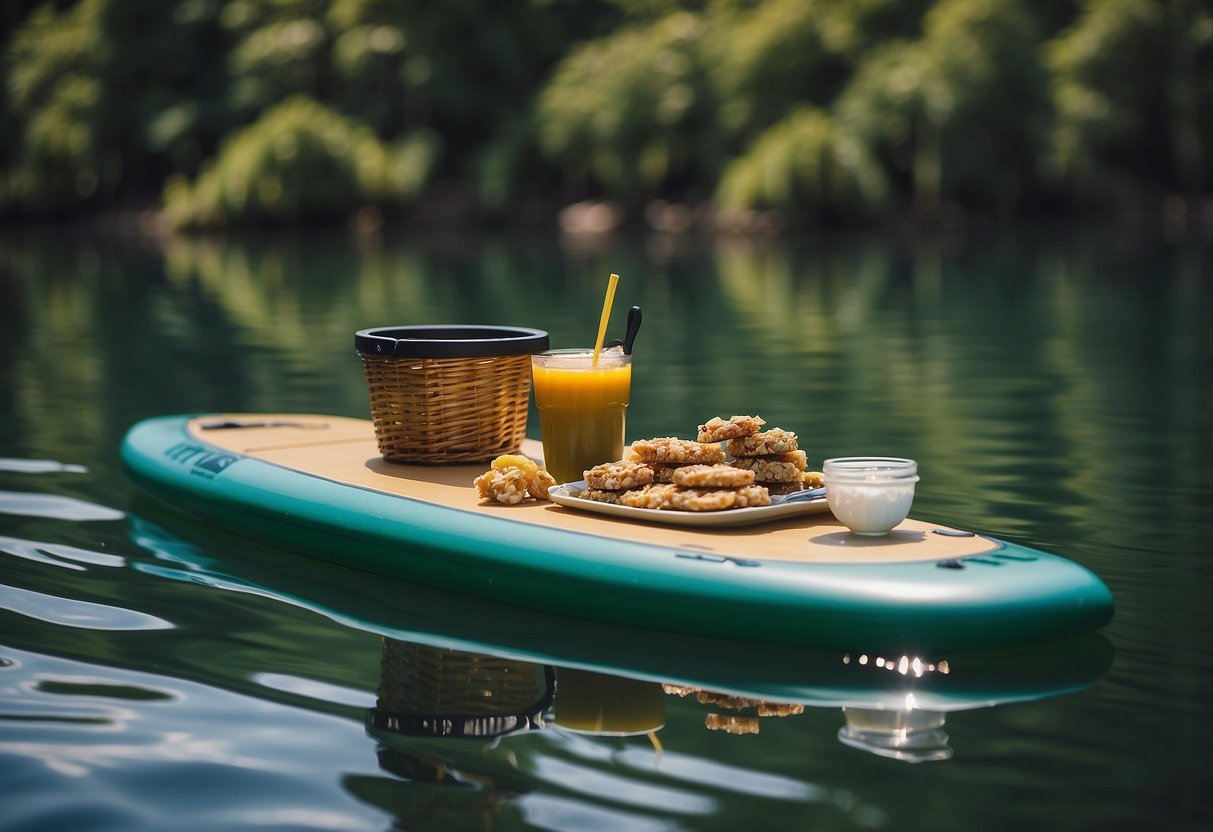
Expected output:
(203, 462)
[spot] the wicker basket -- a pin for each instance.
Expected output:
(442, 394)
(432, 691)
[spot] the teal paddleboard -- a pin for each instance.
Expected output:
(316, 486)
(456, 667)
(447, 661)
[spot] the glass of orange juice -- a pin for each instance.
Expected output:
(595, 703)
(582, 408)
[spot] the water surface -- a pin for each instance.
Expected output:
(1054, 387)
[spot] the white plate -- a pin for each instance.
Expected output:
(729, 517)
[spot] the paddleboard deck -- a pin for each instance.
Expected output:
(316, 485)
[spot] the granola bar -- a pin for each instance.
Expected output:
(712, 476)
(780, 709)
(718, 430)
(731, 723)
(528, 465)
(508, 485)
(539, 483)
(665, 473)
(617, 476)
(672, 449)
(725, 700)
(600, 495)
(773, 441)
(655, 496)
(511, 478)
(698, 499)
(787, 467)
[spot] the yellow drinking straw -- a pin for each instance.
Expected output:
(606, 313)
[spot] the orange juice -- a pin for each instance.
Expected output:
(582, 408)
(596, 703)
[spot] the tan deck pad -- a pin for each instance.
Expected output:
(344, 450)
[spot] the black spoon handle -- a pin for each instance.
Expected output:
(633, 327)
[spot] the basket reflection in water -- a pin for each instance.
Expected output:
(430, 691)
(893, 707)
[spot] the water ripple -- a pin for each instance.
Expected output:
(55, 506)
(589, 781)
(316, 689)
(53, 554)
(40, 466)
(92, 747)
(83, 615)
(698, 771)
(547, 811)
(79, 759)
(94, 687)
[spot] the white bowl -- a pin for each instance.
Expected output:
(870, 495)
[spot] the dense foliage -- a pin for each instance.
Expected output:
(231, 112)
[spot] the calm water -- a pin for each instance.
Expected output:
(1056, 390)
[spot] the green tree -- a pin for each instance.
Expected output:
(102, 102)
(105, 99)
(302, 161)
(54, 93)
(961, 114)
(805, 166)
(278, 49)
(810, 106)
(1131, 86)
(632, 115)
(768, 57)
(468, 70)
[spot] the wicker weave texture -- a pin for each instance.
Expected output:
(437, 410)
(419, 679)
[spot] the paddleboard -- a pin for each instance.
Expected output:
(444, 638)
(316, 485)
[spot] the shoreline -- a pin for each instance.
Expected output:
(1172, 216)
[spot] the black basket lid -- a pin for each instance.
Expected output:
(455, 725)
(449, 341)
